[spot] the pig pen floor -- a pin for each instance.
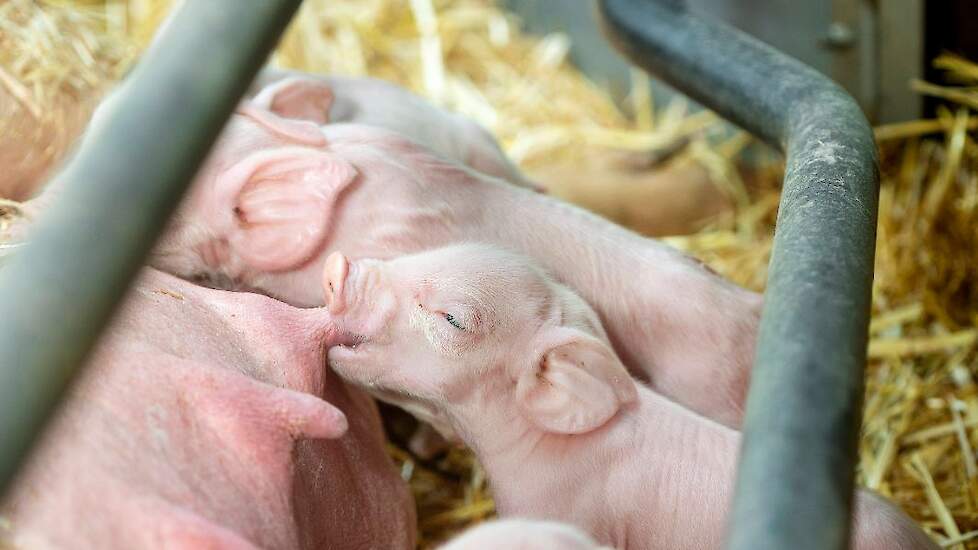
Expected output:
(921, 403)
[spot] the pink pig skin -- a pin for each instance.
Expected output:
(200, 422)
(521, 534)
(267, 210)
(332, 99)
(521, 369)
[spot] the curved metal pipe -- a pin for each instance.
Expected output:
(58, 293)
(796, 472)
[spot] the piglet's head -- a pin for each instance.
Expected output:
(474, 326)
(262, 203)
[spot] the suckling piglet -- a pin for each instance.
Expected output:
(279, 195)
(521, 369)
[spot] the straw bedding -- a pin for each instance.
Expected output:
(921, 403)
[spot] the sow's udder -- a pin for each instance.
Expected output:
(187, 430)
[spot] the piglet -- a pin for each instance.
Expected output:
(334, 99)
(522, 534)
(279, 195)
(520, 367)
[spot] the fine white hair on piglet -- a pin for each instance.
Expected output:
(523, 534)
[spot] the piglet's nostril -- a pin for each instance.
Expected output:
(334, 279)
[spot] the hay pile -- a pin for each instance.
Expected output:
(921, 403)
(53, 65)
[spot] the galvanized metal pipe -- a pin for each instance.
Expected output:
(796, 471)
(58, 293)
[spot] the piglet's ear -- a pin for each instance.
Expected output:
(300, 132)
(283, 206)
(576, 385)
(297, 98)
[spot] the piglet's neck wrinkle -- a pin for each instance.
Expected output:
(491, 425)
(528, 466)
(638, 478)
(532, 470)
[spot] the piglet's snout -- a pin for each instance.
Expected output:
(334, 281)
(358, 296)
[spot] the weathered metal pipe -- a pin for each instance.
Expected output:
(796, 471)
(59, 292)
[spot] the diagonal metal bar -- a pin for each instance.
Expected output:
(796, 472)
(58, 293)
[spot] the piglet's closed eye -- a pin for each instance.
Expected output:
(575, 385)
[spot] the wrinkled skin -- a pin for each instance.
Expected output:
(206, 420)
(521, 534)
(276, 198)
(336, 99)
(520, 368)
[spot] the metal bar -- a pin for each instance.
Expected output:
(900, 59)
(795, 479)
(58, 293)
